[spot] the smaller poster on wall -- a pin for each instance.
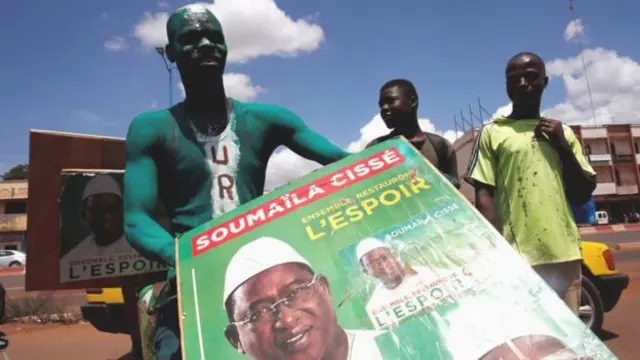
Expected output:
(93, 244)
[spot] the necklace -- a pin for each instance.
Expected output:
(215, 128)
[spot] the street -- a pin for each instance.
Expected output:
(82, 341)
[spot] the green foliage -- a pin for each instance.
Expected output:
(18, 172)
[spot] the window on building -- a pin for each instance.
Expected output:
(637, 147)
(15, 207)
(588, 148)
(613, 149)
(11, 247)
(617, 177)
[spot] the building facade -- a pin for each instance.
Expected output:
(13, 214)
(612, 150)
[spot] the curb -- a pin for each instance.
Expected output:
(609, 228)
(12, 271)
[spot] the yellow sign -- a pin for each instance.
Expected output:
(13, 222)
(14, 190)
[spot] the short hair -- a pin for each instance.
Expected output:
(407, 87)
(529, 54)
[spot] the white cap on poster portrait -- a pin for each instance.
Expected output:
(102, 184)
(255, 257)
(367, 245)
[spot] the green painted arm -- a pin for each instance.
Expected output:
(306, 142)
(141, 191)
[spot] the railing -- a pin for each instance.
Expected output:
(13, 222)
(600, 157)
(624, 157)
(608, 188)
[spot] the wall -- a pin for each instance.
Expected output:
(13, 226)
(593, 132)
(621, 146)
(626, 174)
(596, 146)
(14, 190)
(604, 174)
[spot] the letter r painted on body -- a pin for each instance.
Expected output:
(225, 185)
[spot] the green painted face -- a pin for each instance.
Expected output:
(196, 41)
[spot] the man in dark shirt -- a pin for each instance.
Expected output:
(399, 111)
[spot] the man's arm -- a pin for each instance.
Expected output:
(451, 166)
(578, 176)
(486, 204)
(140, 194)
(481, 175)
(306, 142)
(371, 143)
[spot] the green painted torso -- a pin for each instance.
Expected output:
(199, 176)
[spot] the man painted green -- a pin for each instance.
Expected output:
(526, 169)
(203, 156)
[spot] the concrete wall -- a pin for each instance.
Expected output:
(622, 147)
(593, 132)
(627, 175)
(596, 146)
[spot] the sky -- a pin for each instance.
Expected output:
(89, 66)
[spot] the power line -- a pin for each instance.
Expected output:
(584, 65)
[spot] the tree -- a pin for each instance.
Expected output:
(18, 172)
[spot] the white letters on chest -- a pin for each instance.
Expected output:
(222, 156)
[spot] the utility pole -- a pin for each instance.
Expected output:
(584, 65)
(167, 65)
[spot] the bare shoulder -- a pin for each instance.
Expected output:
(440, 141)
(264, 110)
(374, 142)
(272, 115)
(149, 127)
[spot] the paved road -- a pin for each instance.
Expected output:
(622, 324)
(74, 342)
(13, 282)
(614, 238)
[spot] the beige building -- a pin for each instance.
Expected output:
(13, 214)
(612, 150)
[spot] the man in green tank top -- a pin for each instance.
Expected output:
(203, 156)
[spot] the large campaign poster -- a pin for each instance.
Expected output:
(92, 241)
(374, 257)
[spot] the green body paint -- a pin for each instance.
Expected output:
(198, 175)
(196, 41)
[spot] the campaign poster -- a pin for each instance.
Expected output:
(93, 245)
(374, 257)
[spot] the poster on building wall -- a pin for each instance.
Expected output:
(93, 245)
(373, 257)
